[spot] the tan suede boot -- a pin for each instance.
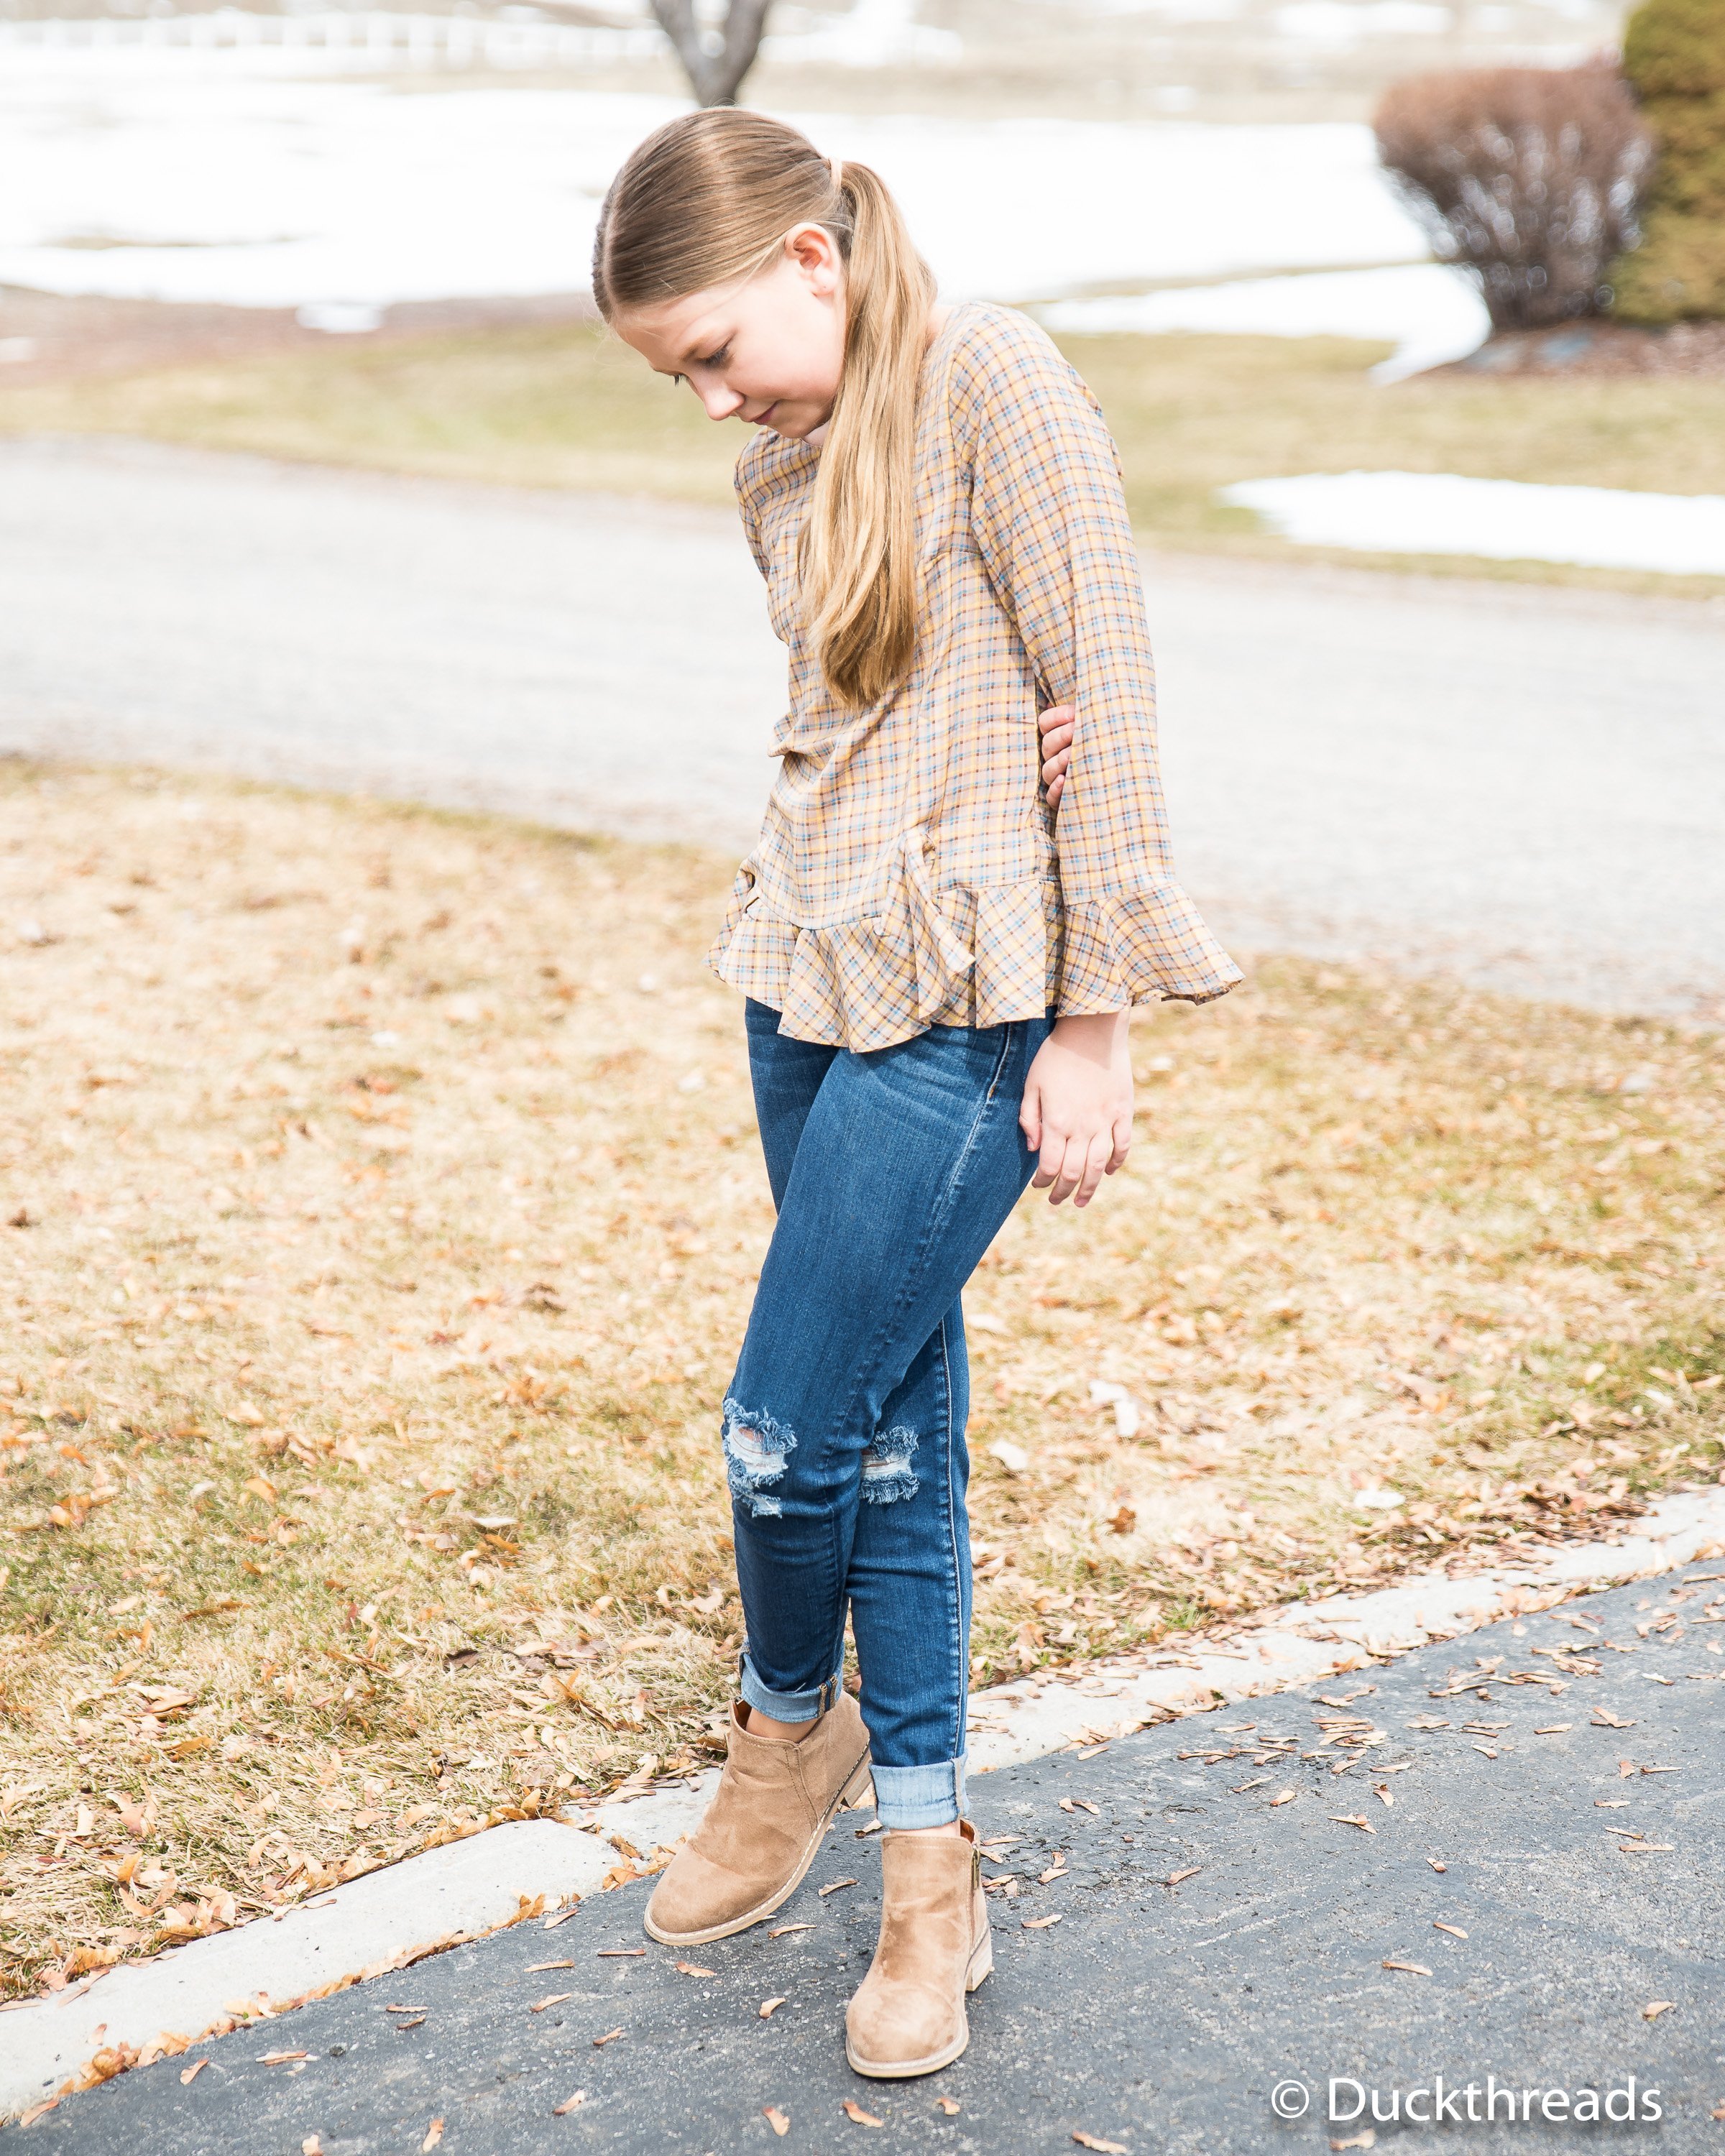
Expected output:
(775, 1801)
(908, 2018)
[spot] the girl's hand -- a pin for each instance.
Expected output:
(1057, 725)
(1077, 1111)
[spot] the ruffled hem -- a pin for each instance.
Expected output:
(964, 957)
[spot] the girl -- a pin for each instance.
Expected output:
(938, 985)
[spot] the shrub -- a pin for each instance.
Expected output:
(1530, 178)
(1674, 55)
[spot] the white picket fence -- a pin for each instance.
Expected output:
(375, 38)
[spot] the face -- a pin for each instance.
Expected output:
(767, 351)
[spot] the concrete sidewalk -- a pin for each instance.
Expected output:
(1566, 1769)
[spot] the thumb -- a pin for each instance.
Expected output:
(1030, 1115)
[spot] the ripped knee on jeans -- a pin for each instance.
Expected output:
(755, 1449)
(886, 1473)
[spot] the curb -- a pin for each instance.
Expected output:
(516, 1872)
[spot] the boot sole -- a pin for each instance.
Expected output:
(850, 1794)
(981, 1965)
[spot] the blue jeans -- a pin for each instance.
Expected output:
(843, 1429)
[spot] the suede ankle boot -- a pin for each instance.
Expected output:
(775, 1801)
(909, 2018)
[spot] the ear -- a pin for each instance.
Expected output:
(814, 253)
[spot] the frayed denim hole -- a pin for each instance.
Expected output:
(755, 1449)
(886, 1474)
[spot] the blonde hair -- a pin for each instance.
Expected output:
(708, 200)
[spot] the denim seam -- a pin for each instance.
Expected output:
(960, 1657)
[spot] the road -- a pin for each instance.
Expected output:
(1527, 1897)
(1524, 786)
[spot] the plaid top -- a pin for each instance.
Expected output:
(909, 871)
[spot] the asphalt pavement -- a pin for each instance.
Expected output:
(1520, 785)
(1537, 1912)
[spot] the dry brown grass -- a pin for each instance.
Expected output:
(384, 1212)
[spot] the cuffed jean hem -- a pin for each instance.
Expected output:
(919, 1796)
(788, 1706)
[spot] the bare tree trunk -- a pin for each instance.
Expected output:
(716, 77)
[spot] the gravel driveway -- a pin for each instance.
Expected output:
(1525, 787)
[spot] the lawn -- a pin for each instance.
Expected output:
(379, 1208)
(569, 407)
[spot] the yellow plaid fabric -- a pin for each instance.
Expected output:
(909, 871)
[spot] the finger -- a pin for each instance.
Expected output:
(1096, 1159)
(1055, 767)
(1050, 1163)
(1056, 788)
(1123, 1143)
(1030, 1115)
(1056, 715)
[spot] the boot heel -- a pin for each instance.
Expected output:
(982, 1963)
(858, 1791)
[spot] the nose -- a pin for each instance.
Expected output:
(720, 403)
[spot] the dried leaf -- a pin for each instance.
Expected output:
(312, 2145)
(36, 2110)
(779, 2120)
(1603, 1718)
(539, 1967)
(434, 2134)
(551, 1998)
(769, 2007)
(1553, 1729)
(1080, 1805)
(1655, 2008)
(945, 2104)
(569, 2104)
(1286, 1797)
(1455, 1931)
(1039, 1924)
(1436, 1866)
(1095, 2141)
(610, 2036)
(693, 1969)
(838, 1886)
(190, 2074)
(1365, 2139)
(779, 1930)
(281, 2058)
(1413, 1967)
(857, 2116)
(1174, 1878)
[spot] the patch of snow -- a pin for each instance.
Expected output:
(216, 175)
(1432, 314)
(1501, 520)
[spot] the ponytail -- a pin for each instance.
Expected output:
(707, 200)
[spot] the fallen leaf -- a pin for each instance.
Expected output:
(1553, 1729)
(610, 2036)
(836, 1887)
(538, 1968)
(617, 1953)
(1603, 1718)
(1057, 1870)
(1413, 1967)
(1080, 1805)
(551, 1998)
(1039, 1924)
(312, 2145)
(1095, 2141)
(434, 2134)
(190, 2074)
(36, 2110)
(1455, 1931)
(1652, 2012)
(858, 2117)
(569, 2104)
(1366, 2140)
(1354, 1819)
(1436, 1866)
(693, 1969)
(769, 2007)
(1174, 1878)
(281, 2058)
(407, 2009)
(1286, 1797)
(779, 1930)
(418, 2022)
(779, 2120)
(945, 2104)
